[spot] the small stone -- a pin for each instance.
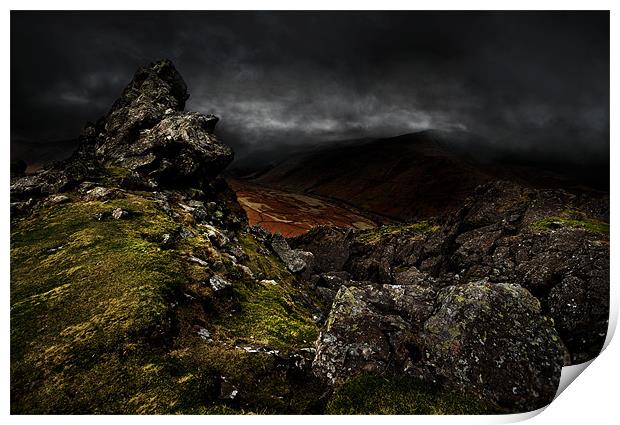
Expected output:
(292, 259)
(204, 334)
(216, 237)
(59, 199)
(218, 283)
(100, 193)
(227, 390)
(185, 233)
(119, 213)
(198, 261)
(246, 270)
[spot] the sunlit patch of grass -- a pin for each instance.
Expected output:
(571, 219)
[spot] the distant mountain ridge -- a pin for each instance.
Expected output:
(414, 175)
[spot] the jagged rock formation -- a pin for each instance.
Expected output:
(146, 139)
(553, 243)
(138, 287)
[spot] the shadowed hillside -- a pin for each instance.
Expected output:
(416, 175)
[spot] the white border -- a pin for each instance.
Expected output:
(593, 399)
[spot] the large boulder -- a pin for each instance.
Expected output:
(371, 329)
(155, 89)
(486, 339)
(493, 339)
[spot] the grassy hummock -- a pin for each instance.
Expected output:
(571, 219)
(89, 306)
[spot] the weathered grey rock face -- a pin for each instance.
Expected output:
(483, 338)
(539, 240)
(154, 89)
(491, 338)
(370, 330)
(146, 138)
(58, 177)
(147, 132)
(505, 233)
(180, 149)
(295, 260)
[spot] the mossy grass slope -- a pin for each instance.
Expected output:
(88, 299)
(400, 395)
(96, 317)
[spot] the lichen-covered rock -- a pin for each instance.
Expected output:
(538, 239)
(504, 233)
(145, 141)
(59, 199)
(119, 213)
(218, 283)
(179, 149)
(493, 339)
(100, 193)
(371, 329)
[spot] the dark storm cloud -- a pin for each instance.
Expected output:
(527, 82)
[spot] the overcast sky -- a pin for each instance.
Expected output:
(535, 82)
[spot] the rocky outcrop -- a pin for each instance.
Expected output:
(487, 339)
(146, 141)
(156, 89)
(493, 300)
(181, 149)
(371, 329)
(552, 243)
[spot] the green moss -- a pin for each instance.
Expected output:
(93, 329)
(268, 314)
(264, 263)
(269, 317)
(571, 219)
(368, 394)
(118, 171)
(413, 230)
(89, 307)
(221, 409)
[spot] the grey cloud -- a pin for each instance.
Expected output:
(526, 82)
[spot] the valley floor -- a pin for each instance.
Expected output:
(293, 214)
